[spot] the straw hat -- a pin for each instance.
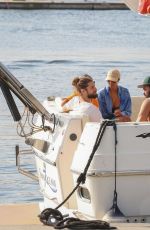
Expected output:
(113, 75)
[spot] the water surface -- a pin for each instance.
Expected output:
(45, 49)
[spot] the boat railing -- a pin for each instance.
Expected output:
(31, 173)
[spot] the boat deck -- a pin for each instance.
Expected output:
(24, 217)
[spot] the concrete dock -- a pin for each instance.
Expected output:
(24, 217)
(61, 5)
(20, 217)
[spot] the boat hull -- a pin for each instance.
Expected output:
(69, 150)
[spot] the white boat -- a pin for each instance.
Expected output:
(107, 163)
(67, 152)
(105, 166)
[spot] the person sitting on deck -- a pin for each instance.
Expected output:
(82, 104)
(144, 114)
(75, 93)
(115, 100)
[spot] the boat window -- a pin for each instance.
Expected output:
(84, 194)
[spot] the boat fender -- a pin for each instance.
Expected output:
(144, 7)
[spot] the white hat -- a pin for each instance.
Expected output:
(113, 75)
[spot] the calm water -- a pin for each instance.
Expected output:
(46, 49)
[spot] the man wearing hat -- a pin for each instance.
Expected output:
(144, 114)
(114, 100)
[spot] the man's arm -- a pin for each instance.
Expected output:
(144, 111)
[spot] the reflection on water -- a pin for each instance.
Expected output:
(45, 49)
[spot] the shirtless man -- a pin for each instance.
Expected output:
(144, 114)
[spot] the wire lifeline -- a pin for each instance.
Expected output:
(114, 212)
(53, 118)
(34, 128)
(115, 190)
(115, 199)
